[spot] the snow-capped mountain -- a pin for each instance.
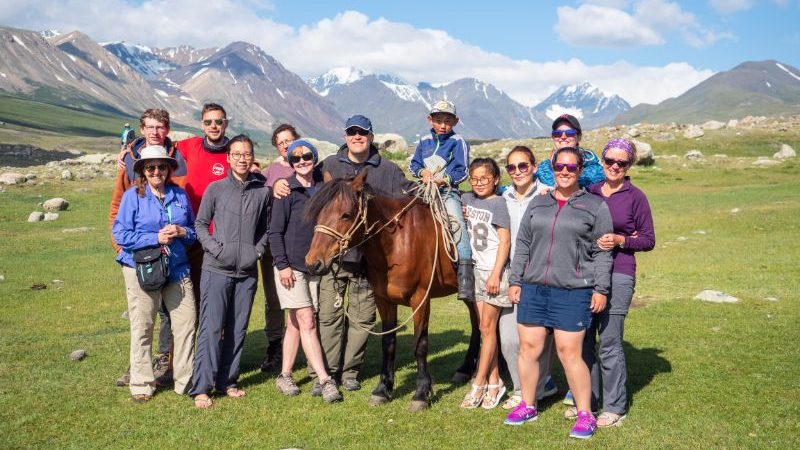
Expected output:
(183, 55)
(47, 34)
(592, 106)
(139, 57)
(400, 107)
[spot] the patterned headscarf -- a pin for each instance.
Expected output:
(622, 144)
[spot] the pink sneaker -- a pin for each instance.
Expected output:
(584, 426)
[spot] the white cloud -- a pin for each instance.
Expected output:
(731, 6)
(347, 39)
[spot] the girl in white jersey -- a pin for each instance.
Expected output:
(488, 224)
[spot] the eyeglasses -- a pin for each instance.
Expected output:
(522, 167)
(480, 181)
(352, 131)
(238, 156)
(568, 132)
(152, 168)
(155, 127)
(571, 168)
(219, 122)
(285, 143)
(294, 159)
(620, 163)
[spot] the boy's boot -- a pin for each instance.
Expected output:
(274, 357)
(466, 280)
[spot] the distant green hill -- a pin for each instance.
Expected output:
(762, 88)
(59, 119)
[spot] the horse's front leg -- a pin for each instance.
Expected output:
(424, 392)
(470, 364)
(383, 392)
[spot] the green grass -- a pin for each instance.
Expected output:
(701, 375)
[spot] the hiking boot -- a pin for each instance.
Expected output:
(550, 389)
(162, 370)
(274, 359)
(584, 426)
(316, 388)
(521, 414)
(466, 280)
(125, 378)
(286, 385)
(330, 392)
(351, 384)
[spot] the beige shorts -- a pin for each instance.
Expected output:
(501, 299)
(305, 292)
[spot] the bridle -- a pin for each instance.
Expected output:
(343, 239)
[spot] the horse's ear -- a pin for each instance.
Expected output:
(359, 181)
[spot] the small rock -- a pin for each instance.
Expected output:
(77, 355)
(82, 190)
(785, 152)
(56, 204)
(716, 329)
(390, 142)
(715, 297)
(125, 314)
(12, 178)
(771, 299)
(713, 125)
(77, 230)
(733, 123)
(720, 156)
(30, 176)
(766, 163)
(693, 155)
(664, 137)
(95, 158)
(38, 286)
(769, 316)
(36, 216)
(682, 238)
(66, 174)
(58, 281)
(699, 232)
(693, 131)
(735, 210)
(644, 153)
(634, 132)
(48, 217)
(2, 278)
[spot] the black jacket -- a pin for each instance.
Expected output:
(289, 233)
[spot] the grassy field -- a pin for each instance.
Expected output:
(701, 375)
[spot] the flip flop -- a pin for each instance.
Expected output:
(235, 392)
(203, 403)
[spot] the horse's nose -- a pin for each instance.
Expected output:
(315, 268)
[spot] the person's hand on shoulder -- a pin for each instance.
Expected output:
(281, 188)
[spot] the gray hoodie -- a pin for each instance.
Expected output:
(240, 215)
(558, 247)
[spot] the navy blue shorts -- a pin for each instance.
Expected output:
(556, 308)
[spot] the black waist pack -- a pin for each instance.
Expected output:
(152, 269)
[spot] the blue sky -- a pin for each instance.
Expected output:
(643, 50)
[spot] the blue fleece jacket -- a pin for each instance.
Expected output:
(139, 219)
(451, 147)
(592, 171)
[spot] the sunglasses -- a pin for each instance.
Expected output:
(352, 131)
(152, 167)
(522, 167)
(620, 163)
(559, 133)
(219, 122)
(571, 168)
(294, 159)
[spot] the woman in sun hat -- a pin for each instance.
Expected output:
(155, 212)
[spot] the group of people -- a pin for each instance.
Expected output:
(549, 261)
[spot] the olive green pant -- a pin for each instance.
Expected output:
(335, 330)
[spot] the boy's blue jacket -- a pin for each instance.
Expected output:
(592, 171)
(139, 219)
(451, 147)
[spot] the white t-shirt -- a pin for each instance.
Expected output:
(484, 217)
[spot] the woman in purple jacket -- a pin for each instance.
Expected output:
(633, 232)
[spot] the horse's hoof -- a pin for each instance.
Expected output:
(377, 400)
(418, 406)
(460, 377)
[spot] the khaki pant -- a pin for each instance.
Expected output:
(142, 309)
(334, 331)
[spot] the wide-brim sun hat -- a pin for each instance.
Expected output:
(152, 152)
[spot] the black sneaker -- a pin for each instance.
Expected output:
(351, 384)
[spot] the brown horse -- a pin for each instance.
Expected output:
(396, 236)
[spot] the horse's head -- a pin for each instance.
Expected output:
(336, 210)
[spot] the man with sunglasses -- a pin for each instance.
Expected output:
(567, 133)
(355, 155)
(154, 128)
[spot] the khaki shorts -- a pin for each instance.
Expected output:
(501, 299)
(305, 292)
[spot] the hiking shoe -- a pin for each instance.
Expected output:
(316, 389)
(521, 414)
(351, 384)
(286, 385)
(330, 392)
(125, 378)
(550, 389)
(585, 425)
(162, 370)
(568, 399)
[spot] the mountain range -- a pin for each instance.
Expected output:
(120, 78)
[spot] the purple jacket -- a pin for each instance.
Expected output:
(630, 212)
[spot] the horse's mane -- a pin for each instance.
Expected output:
(333, 189)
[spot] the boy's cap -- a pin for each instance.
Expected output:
(570, 119)
(443, 106)
(302, 143)
(359, 121)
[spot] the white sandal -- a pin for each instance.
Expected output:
(475, 396)
(490, 402)
(609, 419)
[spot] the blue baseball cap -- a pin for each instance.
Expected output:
(359, 121)
(302, 143)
